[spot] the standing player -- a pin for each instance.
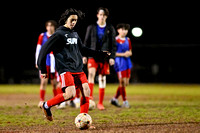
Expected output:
(50, 61)
(100, 36)
(123, 63)
(67, 48)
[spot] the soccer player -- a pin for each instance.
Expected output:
(50, 61)
(123, 63)
(68, 49)
(100, 36)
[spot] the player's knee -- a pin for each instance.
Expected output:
(91, 75)
(86, 89)
(102, 81)
(70, 92)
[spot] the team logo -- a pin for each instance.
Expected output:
(71, 41)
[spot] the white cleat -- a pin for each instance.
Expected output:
(125, 104)
(40, 104)
(62, 105)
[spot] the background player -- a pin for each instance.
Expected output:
(50, 61)
(123, 63)
(68, 49)
(100, 36)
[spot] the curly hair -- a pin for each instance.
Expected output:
(68, 12)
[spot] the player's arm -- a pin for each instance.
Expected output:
(52, 62)
(87, 41)
(38, 48)
(85, 51)
(113, 43)
(49, 46)
(114, 47)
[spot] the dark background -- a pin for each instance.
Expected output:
(167, 52)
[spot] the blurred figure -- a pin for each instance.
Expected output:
(100, 36)
(123, 64)
(50, 60)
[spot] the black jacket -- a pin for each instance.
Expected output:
(108, 40)
(67, 48)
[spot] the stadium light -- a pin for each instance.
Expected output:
(137, 31)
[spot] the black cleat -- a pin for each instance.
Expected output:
(47, 112)
(72, 104)
(115, 103)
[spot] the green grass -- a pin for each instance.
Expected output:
(150, 104)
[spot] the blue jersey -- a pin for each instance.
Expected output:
(100, 33)
(122, 63)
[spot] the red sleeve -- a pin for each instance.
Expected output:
(130, 46)
(40, 39)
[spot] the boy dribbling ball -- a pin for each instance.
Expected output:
(68, 49)
(123, 64)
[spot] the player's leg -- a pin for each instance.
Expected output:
(123, 90)
(84, 104)
(114, 100)
(92, 68)
(67, 82)
(43, 85)
(53, 83)
(102, 86)
(59, 91)
(82, 83)
(91, 77)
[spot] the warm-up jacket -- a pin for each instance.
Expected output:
(67, 48)
(108, 40)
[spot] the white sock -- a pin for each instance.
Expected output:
(45, 105)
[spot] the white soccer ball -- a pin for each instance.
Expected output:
(92, 105)
(83, 121)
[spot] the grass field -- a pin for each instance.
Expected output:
(154, 108)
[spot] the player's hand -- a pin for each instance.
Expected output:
(44, 75)
(36, 66)
(111, 62)
(106, 53)
(127, 54)
(84, 60)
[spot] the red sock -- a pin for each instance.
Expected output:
(118, 93)
(123, 92)
(91, 85)
(84, 106)
(59, 90)
(56, 100)
(77, 93)
(42, 93)
(54, 92)
(101, 95)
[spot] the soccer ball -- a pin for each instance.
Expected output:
(92, 104)
(83, 121)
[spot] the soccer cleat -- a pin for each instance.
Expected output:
(125, 104)
(100, 106)
(72, 104)
(61, 105)
(115, 102)
(47, 113)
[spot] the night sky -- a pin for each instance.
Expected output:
(172, 28)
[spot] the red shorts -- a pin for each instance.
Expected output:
(49, 74)
(102, 68)
(73, 79)
(124, 74)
